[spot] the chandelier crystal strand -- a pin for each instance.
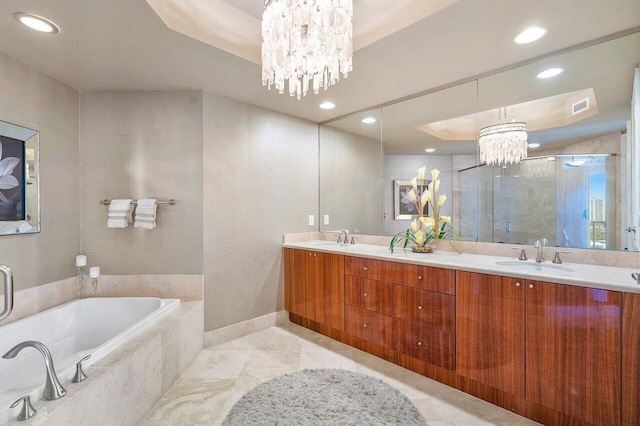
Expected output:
(307, 42)
(503, 143)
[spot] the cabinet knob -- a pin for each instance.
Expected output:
(366, 325)
(314, 254)
(419, 343)
(517, 284)
(310, 254)
(366, 269)
(419, 277)
(366, 294)
(530, 285)
(420, 307)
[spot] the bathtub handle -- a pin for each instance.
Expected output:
(8, 291)
(80, 376)
(27, 411)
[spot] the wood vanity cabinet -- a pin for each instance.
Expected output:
(631, 359)
(551, 352)
(314, 286)
(564, 339)
(407, 308)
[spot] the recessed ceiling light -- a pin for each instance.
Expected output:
(37, 23)
(430, 149)
(327, 105)
(530, 35)
(369, 120)
(533, 145)
(550, 72)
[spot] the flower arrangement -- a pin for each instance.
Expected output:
(425, 228)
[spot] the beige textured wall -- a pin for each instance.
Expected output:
(143, 145)
(350, 182)
(31, 99)
(260, 182)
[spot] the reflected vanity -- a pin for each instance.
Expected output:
(19, 180)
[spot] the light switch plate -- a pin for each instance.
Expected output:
(312, 220)
(326, 219)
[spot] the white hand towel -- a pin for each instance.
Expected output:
(120, 213)
(146, 213)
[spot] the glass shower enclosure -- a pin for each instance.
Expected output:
(571, 200)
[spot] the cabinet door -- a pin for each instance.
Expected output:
(573, 351)
(631, 360)
(299, 285)
(490, 331)
(329, 289)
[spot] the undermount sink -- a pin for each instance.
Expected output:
(539, 267)
(332, 245)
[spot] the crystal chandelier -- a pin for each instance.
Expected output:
(307, 42)
(503, 143)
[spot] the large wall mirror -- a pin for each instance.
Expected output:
(350, 170)
(579, 187)
(575, 187)
(19, 180)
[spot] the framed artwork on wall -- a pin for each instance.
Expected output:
(19, 180)
(404, 208)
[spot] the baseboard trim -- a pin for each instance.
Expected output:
(241, 329)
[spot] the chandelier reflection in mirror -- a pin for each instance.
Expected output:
(503, 143)
(307, 42)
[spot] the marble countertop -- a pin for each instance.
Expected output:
(592, 276)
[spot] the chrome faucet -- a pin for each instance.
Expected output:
(52, 389)
(8, 292)
(346, 237)
(539, 246)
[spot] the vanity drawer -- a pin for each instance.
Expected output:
(434, 310)
(368, 325)
(401, 273)
(424, 343)
(438, 279)
(361, 267)
(425, 277)
(368, 294)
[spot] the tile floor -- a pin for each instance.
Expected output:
(222, 374)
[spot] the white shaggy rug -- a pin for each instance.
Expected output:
(324, 397)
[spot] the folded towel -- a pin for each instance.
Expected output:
(120, 213)
(146, 213)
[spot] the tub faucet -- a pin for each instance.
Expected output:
(539, 246)
(8, 292)
(52, 389)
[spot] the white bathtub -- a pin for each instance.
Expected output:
(93, 326)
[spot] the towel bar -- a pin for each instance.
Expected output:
(171, 202)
